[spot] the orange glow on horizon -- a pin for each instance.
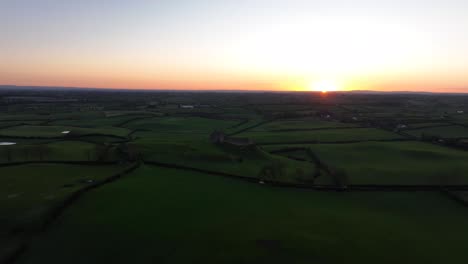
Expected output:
(141, 78)
(263, 45)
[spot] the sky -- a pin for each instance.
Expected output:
(391, 45)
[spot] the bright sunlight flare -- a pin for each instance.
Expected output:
(325, 86)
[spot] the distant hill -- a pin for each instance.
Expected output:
(54, 88)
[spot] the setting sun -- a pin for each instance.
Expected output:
(325, 86)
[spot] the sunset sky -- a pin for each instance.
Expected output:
(406, 45)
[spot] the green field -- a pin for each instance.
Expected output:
(49, 116)
(443, 132)
(165, 215)
(56, 151)
(181, 124)
(247, 162)
(5, 124)
(400, 163)
(419, 125)
(300, 124)
(98, 122)
(329, 135)
(56, 131)
(29, 192)
(329, 178)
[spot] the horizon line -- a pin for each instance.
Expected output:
(2, 86)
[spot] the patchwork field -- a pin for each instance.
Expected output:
(300, 124)
(164, 215)
(29, 192)
(56, 151)
(99, 122)
(181, 124)
(59, 131)
(248, 162)
(286, 178)
(329, 135)
(443, 132)
(395, 163)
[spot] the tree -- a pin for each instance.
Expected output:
(43, 151)
(271, 171)
(8, 153)
(340, 178)
(100, 151)
(128, 152)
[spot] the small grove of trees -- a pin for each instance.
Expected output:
(101, 152)
(429, 138)
(451, 142)
(128, 152)
(301, 176)
(339, 177)
(7, 153)
(319, 165)
(271, 172)
(43, 151)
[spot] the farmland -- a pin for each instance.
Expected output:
(372, 162)
(328, 135)
(455, 131)
(181, 177)
(160, 208)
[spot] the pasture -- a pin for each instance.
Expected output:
(29, 192)
(328, 135)
(248, 162)
(442, 132)
(181, 124)
(283, 183)
(393, 163)
(165, 215)
(52, 151)
(300, 124)
(29, 131)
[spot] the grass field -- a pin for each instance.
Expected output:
(98, 122)
(443, 132)
(50, 116)
(28, 192)
(5, 124)
(181, 124)
(169, 216)
(56, 151)
(56, 131)
(401, 163)
(419, 125)
(195, 201)
(300, 124)
(225, 159)
(330, 135)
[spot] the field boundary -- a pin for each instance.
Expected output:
(454, 197)
(350, 187)
(335, 142)
(312, 129)
(250, 127)
(87, 163)
(433, 126)
(58, 210)
(123, 123)
(66, 137)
